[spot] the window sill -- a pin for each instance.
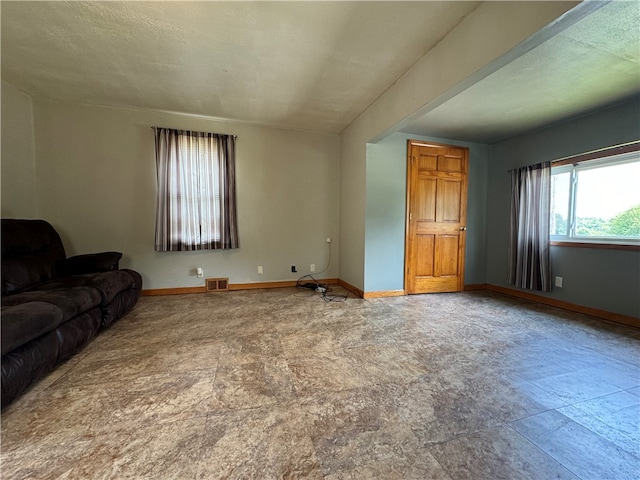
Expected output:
(606, 246)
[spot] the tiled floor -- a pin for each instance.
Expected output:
(279, 384)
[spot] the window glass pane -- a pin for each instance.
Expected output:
(560, 184)
(608, 201)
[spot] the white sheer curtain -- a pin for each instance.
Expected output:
(196, 204)
(529, 265)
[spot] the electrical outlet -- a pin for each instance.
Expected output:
(200, 272)
(559, 282)
(312, 267)
(328, 239)
(260, 270)
(293, 269)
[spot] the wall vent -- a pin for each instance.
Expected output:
(217, 284)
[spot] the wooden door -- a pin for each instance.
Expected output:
(436, 217)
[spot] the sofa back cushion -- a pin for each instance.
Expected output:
(32, 252)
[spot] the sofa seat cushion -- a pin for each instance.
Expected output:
(26, 363)
(27, 321)
(109, 284)
(72, 301)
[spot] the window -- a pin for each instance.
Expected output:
(196, 204)
(596, 200)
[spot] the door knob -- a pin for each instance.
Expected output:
(463, 229)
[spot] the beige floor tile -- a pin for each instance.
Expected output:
(272, 384)
(499, 454)
(262, 443)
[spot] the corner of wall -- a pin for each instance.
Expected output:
(19, 186)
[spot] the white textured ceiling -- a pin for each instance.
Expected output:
(592, 63)
(307, 65)
(304, 65)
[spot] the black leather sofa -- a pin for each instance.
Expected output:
(53, 305)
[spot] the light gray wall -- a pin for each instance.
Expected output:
(386, 190)
(478, 45)
(352, 209)
(18, 155)
(597, 278)
(97, 185)
(385, 214)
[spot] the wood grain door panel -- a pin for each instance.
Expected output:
(426, 210)
(449, 200)
(425, 264)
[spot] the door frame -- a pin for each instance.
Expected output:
(407, 241)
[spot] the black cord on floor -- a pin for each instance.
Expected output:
(315, 285)
(319, 287)
(334, 298)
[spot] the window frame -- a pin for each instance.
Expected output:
(616, 155)
(196, 206)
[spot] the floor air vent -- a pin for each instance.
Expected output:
(217, 284)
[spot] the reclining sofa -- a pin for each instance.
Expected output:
(53, 305)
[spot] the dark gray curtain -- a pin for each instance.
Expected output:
(196, 204)
(529, 230)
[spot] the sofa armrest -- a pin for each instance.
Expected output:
(92, 263)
